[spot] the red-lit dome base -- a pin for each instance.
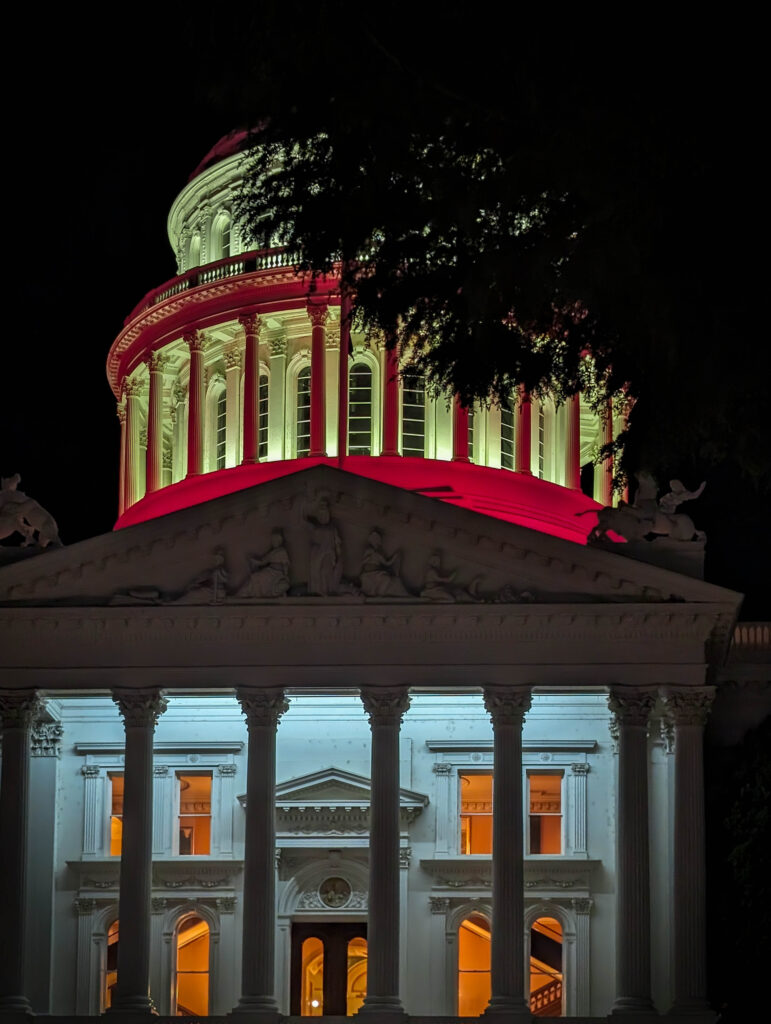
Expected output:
(513, 497)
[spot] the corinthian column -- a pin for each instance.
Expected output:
(132, 390)
(18, 709)
(573, 443)
(507, 706)
(154, 475)
(252, 325)
(318, 317)
(385, 708)
(140, 710)
(688, 708)
(391, 403)
(632, 708)
(522, 443)
(263, 708)
(195, 404)
(122, 468)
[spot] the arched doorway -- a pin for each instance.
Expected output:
(473, 966)
(110, 965)
(546, 969)
(329, 968)
(191, 980)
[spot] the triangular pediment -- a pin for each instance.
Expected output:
(334, 787)
(326, 536)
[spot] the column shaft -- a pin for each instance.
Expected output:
(318, 317)
(234, 417)
(195, 405)
(122, 470)
(459, 432)
(573, 443)
(131, 389)
(390, 444)
(606, 480)
(18, 709)
(632, 709)
(385, 708)
(154, 465)
(140, 710)
(251, 324)
(342, 373)
(689, 709)
(509, 984)
(263, 709)
(522, 435)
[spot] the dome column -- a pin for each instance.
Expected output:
(122, 467)
(385, 708)
(233, 418)
(195, 403)
(632, 707)
(573, 443)
(140, 710)
(318, 316)
(263, 709)
(687, 709)
(132, 390)
(523, 432)
(605, 490)
(156, 364)
(18, 709)
(252, 325)
(460, 416)
(509, 996)
(390, 444)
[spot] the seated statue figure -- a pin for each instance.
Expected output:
(20, 514)
(269, 574)
(379, 573)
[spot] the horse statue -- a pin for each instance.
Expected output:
(21, 514)
(647, 515)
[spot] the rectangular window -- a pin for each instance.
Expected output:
(476, 813)
(262, 419)
(507, 437)
(413, 414)
(544, 812)
(116, 813)
(194, 814)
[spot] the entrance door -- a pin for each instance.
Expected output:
(329, 965)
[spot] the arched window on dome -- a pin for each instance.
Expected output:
(215, 433)
(190, 992)
(194, 251)
(221, 237)
(360, 410)
(413, 414)
(473, 966)
(303, 413)
(262, 417)
(507, 437)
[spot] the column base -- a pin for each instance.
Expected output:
(388, 1007)
(15, 1008)
(259, 1009)
(131, 1006)
(692, 1010)
(627, 1005)
(507, 1008)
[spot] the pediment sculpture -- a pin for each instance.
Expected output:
(649, 517)
(22, 514)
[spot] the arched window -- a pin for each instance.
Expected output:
(356, 991)
(360, 410)
(473, 966)
(507, 437)
(191, 988)
(111, 964)
(413, 414)
(312, 993)
(303, 412)
(546, 977)
(220, 431)
(262, 418)
(224, 237)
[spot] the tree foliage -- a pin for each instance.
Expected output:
(504, 204)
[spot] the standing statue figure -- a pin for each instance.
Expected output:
(20, 514)
(269, 575)
(379, 572)
(325, 566)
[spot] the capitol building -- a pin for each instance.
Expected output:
(345, 716)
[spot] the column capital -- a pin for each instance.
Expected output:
(507, 705)
(582, 905)
(442, 768)
(19, 708)
(46, 740)
(232, 359)
(91, 771)
(631, 705)
(317, 314)
(580, 768)
(121, 410)
(278, 345)
(226, 770)
(84, 905)
(140, 708)
(262, 707)
(251, 323)
(385, 706)
(439, 904)
(686, 705)
(194, 340)
(132, 387)
(157, 362)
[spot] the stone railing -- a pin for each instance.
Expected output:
(752, 641)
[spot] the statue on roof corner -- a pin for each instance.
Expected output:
(649, 517)
(21, 514)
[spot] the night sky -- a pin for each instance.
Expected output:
(103, 127)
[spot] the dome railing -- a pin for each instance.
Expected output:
(231, 266)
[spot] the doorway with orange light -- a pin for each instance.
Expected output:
(329, 968)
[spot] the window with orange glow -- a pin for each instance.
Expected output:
(476, 813)
(545, 812)
(116, 813)
(546, 978)
(191, 998)
(357, 975)
(473, 966)
(194, 814)
(111, 964)
(312, 992)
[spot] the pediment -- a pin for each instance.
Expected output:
(324, 536)
(333, 787)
